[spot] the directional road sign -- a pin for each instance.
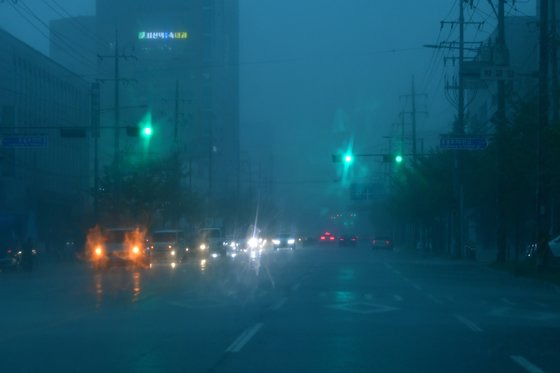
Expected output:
(24, 141)
(462, 143)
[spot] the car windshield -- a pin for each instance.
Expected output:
(266, 186)
(116, 236)
(164, 236)
(210, 233)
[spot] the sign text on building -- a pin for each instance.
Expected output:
(142, 35)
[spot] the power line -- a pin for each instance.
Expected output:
(42, 33)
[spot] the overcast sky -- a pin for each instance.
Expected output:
(319, 74)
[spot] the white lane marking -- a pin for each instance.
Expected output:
(296, 286)
(529, 367)
(434, 299)
(507, 301)
(397, 297)
(276, 306)
(468, 323)
(368, 296)
(245, 337)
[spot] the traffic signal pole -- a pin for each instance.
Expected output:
(501, 242)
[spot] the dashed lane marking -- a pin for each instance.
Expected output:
(469, 324)
(526, 364)
(509, 302)
(434, 299)
(276, 306)
(244, 338)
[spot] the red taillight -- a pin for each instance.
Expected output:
(322, 238)
(327, 233)
(332, 238)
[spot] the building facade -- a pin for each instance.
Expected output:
(42, 173)
(178, 65)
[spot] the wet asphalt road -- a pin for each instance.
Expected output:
(318, 309)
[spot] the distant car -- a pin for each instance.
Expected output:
(211, 242)
(121, 246)
(347, 240)
(382, 242)
(327, 237)
(284, 241)
(168, 246)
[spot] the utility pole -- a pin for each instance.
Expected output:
(554, 64)
(95, 108)
(542, 187)
(117, 80)
(501, 59)
(176, 120)
(413, 114)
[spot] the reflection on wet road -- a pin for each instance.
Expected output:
(327, 308)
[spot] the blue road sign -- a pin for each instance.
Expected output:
(24, 141)
(462, 143)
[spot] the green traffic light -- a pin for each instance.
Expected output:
(147, 131)
(348, 158)
(399, 158)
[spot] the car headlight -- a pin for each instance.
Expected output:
(253, 242)
(173, 252)
(98, 251)
(136, 250)
(291, 241)
(203, 247)
(214, 255)
(276, 242)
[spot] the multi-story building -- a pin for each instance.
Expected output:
(42, 173)
(178, 64)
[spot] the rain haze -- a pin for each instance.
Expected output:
(262, 185)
